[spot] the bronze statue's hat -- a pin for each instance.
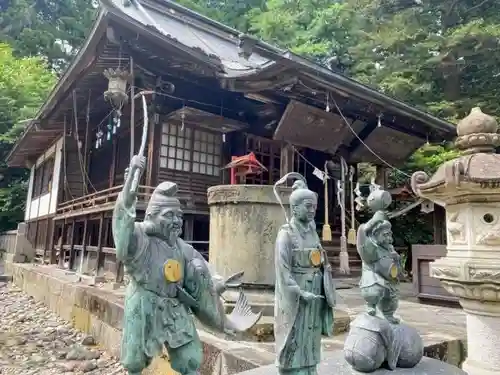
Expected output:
(382, 225)
(300, 192)
(164, 196)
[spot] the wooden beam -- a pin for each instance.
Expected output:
(362, 136)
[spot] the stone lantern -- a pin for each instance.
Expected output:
(468, 187)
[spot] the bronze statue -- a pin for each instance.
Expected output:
(304, 293)
(381, 265)
(377, 339)
(169, 281)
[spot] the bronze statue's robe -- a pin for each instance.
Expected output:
(299, 325)
(153, 315)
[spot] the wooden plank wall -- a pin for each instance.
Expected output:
(72, 177)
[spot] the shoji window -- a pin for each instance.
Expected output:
(190, 150)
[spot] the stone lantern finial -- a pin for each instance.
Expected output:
(478, 132)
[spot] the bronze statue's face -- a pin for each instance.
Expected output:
(169, 222)
(384, 237)
(306, 210)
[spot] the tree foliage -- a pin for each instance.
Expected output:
(24, 84)
(53, 30)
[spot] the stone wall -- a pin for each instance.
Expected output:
(99, 312)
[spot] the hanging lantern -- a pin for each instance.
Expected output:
(117, 86)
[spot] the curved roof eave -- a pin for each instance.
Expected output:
(327, 78)
(78, 64)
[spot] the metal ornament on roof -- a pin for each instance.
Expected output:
(117, 86)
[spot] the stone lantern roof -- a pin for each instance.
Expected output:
(471, 176)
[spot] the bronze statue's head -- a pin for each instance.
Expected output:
(164, 217)
(382, 234)
(303, 202)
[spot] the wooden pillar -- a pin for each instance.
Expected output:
(84, 243)
(189, 228)
(52, 254)
(287, 159)
(382, 176)
(100, 244)
(120, 272)
(439, 225)
(46, 239)
(61, 243)
(72, 245)
(150, 149)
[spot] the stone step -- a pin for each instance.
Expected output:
(264, 329)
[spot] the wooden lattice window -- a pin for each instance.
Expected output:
(42, 180)
(268, 152)
(190, 150)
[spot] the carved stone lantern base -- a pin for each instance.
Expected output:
(468, 187)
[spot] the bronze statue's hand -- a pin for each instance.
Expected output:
(137, 162)
(308, 296)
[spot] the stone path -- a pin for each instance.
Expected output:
(33, 340)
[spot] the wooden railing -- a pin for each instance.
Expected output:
(101, 198)
(107, 197)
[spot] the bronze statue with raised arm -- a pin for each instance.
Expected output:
(169, 282)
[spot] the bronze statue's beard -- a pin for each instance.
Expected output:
(171, 232)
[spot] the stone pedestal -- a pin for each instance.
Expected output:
(334, 363)
(244, 223)
(468, 188)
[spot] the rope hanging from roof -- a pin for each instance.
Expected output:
(341, 187)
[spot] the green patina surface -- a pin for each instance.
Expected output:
(305, 295)
(169, 283)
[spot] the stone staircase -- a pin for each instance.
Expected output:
(332, 249)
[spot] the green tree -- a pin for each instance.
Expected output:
(52, 29)
(24, 84)
(319, 29)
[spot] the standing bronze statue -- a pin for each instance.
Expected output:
(304, 293)
(381, 264)
(376, 337)
(169, 282)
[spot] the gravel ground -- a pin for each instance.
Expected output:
(33, 340)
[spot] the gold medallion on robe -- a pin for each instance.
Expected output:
(315, 258)
(172, 270)
(394, 271)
